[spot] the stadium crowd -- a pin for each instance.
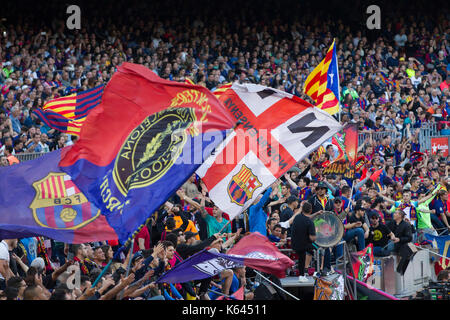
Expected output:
(393, 81)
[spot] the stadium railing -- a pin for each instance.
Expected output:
(28, 156)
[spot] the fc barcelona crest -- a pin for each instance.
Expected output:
(59, 204)
(242, 186)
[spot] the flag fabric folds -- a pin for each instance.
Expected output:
(346, 143)
(388, 81)
(58, 122)
(238, 295)
(142, 143)
(329, 289)
(262, 255)
(38, 199)
(322, 84)
(362, 263)
(442, 243)
(276, 131)
(67, 114)
(254, 251)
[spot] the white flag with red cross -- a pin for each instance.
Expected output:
(276, 131)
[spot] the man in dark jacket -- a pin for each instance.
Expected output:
(320, 201)
(303, 235)
(403, 235)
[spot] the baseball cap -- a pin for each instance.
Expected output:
(38, 263)
(322, 185)
(189, 234)
(136, 256)
(373, 214)
(338, 199)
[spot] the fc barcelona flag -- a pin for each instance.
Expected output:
(38, 199)
(322, 85)
(242, 186)
(143, 141)
(276, 130)
(67, 114)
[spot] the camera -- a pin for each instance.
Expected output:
(435, 291)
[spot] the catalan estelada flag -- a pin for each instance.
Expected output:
(67, 114)
(322, 84)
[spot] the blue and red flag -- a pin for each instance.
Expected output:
(143, 141)
(67, 114)
(442, 243)
(38, 199)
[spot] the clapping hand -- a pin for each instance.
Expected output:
(138, 265)
(180, 193)
(158, 249)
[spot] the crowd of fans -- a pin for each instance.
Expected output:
(393, 81)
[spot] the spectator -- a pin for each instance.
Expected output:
(379, 236)
(303, 236)
(5, 270)
(391, 111)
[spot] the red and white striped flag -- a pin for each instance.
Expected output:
(276, 131)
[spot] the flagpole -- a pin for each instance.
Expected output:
(105, 269)
(222, 294)
(116, 256)
(128, 267)
(275, 285)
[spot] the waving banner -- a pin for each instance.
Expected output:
(143, 141)
(38, 199)
(254, 251)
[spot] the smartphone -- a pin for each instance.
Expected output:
(43, 33)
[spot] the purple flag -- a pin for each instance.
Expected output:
(202, 265)
(254, 251)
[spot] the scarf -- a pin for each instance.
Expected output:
(413, 214)
(83, 267)
(398, 179)
(42, 252)
(323, 202)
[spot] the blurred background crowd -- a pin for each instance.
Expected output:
(393, 83)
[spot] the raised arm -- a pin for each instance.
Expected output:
(430, 196)
(289, 180)
(184, 197)
(390, 201)
(264, 198)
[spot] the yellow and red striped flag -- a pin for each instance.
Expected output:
(218, 92)
(322, 84)
(67, 114)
